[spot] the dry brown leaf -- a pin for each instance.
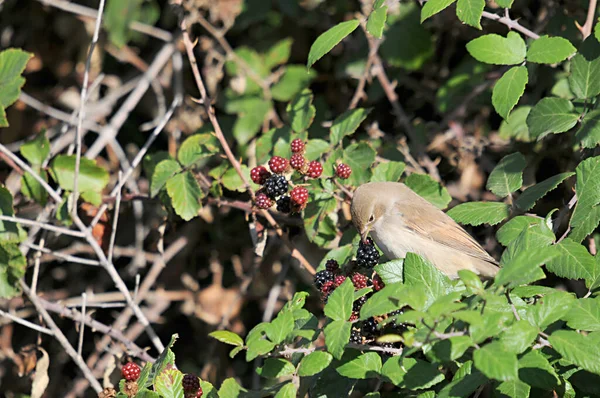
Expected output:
(41, 379)
(26, 359)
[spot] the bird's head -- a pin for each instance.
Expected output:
(369, 204)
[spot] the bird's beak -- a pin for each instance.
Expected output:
(363, 234)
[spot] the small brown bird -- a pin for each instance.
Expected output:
(401, 221)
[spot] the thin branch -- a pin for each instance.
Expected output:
(50, 227)
(512, 24)
(26, 323)
(82, 323)
(65, 257)
(586, 29)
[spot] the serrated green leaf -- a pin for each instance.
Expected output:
(365, 366)
(519, 336)
(329, 39)
(516, 125)
(346, 124)
(315, 149)
(496, 363)
(12, 268)
(586, 215)
(168, 383)
(433, 7)
(535, 370)
(232, 180)
(550, 50)
(507, 176)
(383, 301)
(391, 271)
(376, 21)
(497, 50)
(513, 389)
(588, 134)
(197, 147)
(281, 326)
(279, 53)
(505, 3)
(231, 389)
(577, 349)
(91, 176)
(314, 363)
(339, 303)
(287, 391)
(584, 79)
(163, 170)
(422, 274)
(185, 194)
(464, 383)
(340, 254)
(477, 213)
(316, 218)
(452, 348)
(551, 115)
(295, 79)
(36, 150)
(32, 188)
(513, 228)
(429, 189)
(471, 281)
(227, 337)
(258, 347)
(274, 368)
(301, 111)
(388, 171)
(337, 335)
(527, 199)
(509, 89)
(573, 261)
(410, 373)
(549, 309)
(469, 12)
(584, 314)
(12, 65)
(360, 157)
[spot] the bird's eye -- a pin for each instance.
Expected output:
(372, 218)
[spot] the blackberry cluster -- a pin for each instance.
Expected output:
(276, 185)
(369, 327)
(357, 305)
(323, 277)
(356, 337)
(367, 255)
(284, 204)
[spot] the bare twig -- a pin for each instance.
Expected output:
(26, 323)
(49, 227)
(510, 23)
(586, 29)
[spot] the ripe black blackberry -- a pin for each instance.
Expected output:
(332, 265)
(190, 383)
(284, 204)
(369, 327)
(357, 305)
(275, 186)
(367, 255)
(356, 336)
(322, 277)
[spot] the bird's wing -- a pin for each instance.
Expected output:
(429, 221)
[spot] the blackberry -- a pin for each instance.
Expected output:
(322, 277)
(378, 283)
(297, 146)
(277, 164)
(356, 337)
(297, 161)
(353, 317)
(359, 281)
(357, 305)
(339, 279)
(299, 195)
(275, 186)
(314, 169)
(263, 201)
(367, 255)
(284, 204)
(332, 265)
(190, 383)
(369, 327)
(327, 288)
(343, 171)
(259, 175)
(130, 371)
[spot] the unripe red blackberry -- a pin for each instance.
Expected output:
(190, 383)
(299, 195)
(332, 265)
(378, 283)
(199, 393)
(327, 288)
(315, 169)
(259, 175)
(263, 201)
(277, 164)
(297, 161)
(339, 280)
(353, 317)
(343, 171)
(359, 281)
(130, 371)
(297, 146)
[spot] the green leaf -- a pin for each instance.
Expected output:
(208, 390)
(365, 366)
(12, 65)
(360, 157)
(516, 125)
(314, 363)
(453, 348)
(168, 384)
(410, 373)
(586, 215)
(383, 301)
(232, 180)
(519, 336)
(196, 147)
(119, 15)
(294, 80)
(315, 149)
(301, 111)
(429, 189)
(504, 3)
(464, 382)
(149, 373)
(340, 254)
(496, 363)
(227, 337)
(91, 177)
(274, 368)
(163, 170)
(573, 261)
(388, 171)
(510, 231)
(584, 79)
(535, 370)
(469, 12)
(36, 150)
(376, 21)
(337, 335)
(549, 309)
(551, 115)
(471, 281)
(588, 135)
(231, 389)
(391, 272)
(279, 53)
(289, 390)
(346, 124)
(584, 314)
(316, 218)
(507, 176)
(280, 327)
(185, 194)
(509, 89)
(12, 268)
(258, 347)
(328, 40)
(477, 213)
(32, 188)
(251, 112)
(421, 273)
(527, 199)
(580, 350)
(550, 50)
(497, 50)
(512, 389)
(433, 7)
(339, 303)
